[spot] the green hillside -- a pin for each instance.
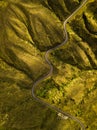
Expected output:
(28, 28)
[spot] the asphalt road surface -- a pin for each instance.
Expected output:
(51, 72)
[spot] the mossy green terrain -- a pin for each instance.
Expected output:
(27, 29)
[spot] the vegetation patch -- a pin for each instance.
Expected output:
(28, 28)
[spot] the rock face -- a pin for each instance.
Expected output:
(27, 29)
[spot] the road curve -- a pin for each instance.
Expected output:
(51, 71)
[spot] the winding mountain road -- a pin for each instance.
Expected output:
(51, 71)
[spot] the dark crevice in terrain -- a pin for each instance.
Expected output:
(87, 24)
(29, 28)
(70, 3)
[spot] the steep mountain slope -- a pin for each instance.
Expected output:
(27, 29)
(73, 86)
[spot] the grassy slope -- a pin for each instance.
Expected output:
(73, 86)
(28, 29)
